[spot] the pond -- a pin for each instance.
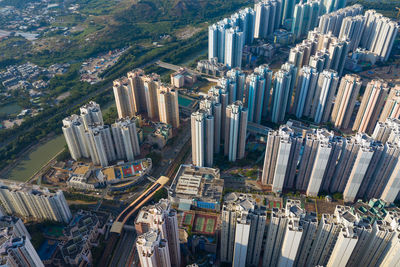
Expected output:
(11, 108)
(184, 101)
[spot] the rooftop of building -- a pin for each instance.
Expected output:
(373, 210)
(198, 182)
(127, 170)
(243, 202)
(78, 230)
(145, 214)
(27, 188)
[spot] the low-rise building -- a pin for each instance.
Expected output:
(200, 187)
(183, 77)
(79, 182)
(124, 172)
(212, 67)
(81, 235)
(161, 134)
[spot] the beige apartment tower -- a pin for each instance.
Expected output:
(371, 106)
(123, 98)
(168, 105)
(392, 105)
(345, 100)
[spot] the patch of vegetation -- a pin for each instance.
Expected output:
(110, 116)
(77, 196)
(64, 155)
(386, 7)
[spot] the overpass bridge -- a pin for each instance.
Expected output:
(119, 223)
(173, 67)
(124, 216)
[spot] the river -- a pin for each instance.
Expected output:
(32, 162)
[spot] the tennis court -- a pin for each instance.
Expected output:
(210, 226)
(188, 219)
(274, 204)
(199, 224)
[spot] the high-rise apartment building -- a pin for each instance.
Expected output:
(292, 70)
(245, 20)
(137, 94)
(125, 138)
(293, 233)
(153, 249)
(309, 224)
(314, 161)
(100, 143)
(274, 239)
(392, 187)
(227, 37)
(322, 103)
(345, 244)
(74, 133)
(34, 202)
(124, 98)
(267, 18)
(379, 34)
(391, 257)
(202, 129)
(220, 95)
(332, 22)
(287, 11)
(235, 131)
(161, 217)
(306, 86)
(371, 106)
(352, 29)
(168, 105)
(242, 230)
(338, 51)
(280, 97)
(345, 100)
(359, 169)
(234, 40)
(17, 250)
(301, 53)
(75, 128)
(236, 80)
(336, 152)
(337, 237)
(290, 235)
(213, 109)
(320, 61)
(281, 156)
(91, 114)
(328, 6)
(380, 241)
(388, 131)
(305, 17)
(258, 90)
(151, 86)
(391, 108)
(357, 152)
(378, 175)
